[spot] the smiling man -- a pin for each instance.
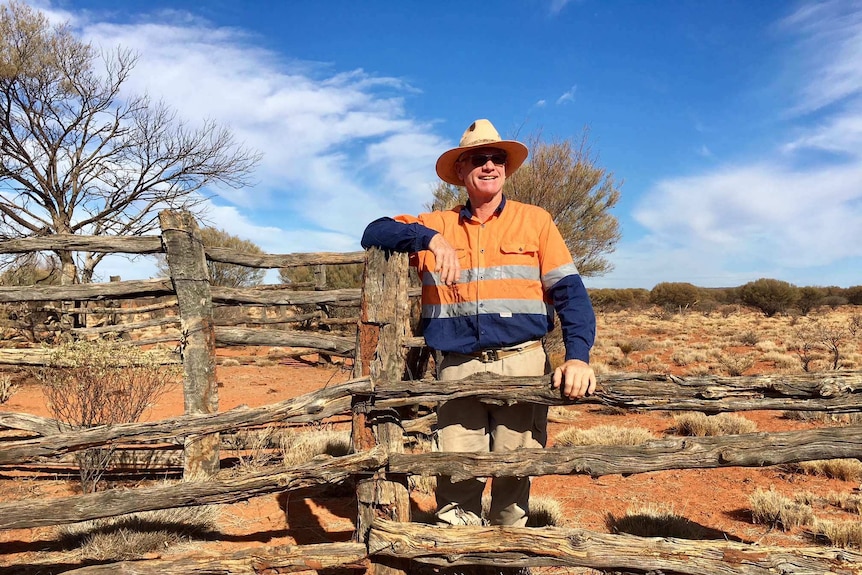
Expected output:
(493, 273)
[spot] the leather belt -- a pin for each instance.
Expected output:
(492, 355)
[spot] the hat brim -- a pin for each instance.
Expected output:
(516, 154)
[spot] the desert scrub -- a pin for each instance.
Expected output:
(736, 364)
(699, 424)
(602, 435)
(91, 383)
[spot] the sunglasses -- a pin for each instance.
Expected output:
(478, 160)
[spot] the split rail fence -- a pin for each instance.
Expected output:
(379, 399)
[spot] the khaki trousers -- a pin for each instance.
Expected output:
(472, 426)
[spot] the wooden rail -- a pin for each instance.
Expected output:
(377, 403)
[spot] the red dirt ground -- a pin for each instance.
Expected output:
(717, 499)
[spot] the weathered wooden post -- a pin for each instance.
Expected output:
(384, 322)
(187, 263)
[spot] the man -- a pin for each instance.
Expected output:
(492, 273)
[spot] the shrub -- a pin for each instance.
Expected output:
(87, 384)
(810, 298)
(675, 295)
(854, 295)
(770, 296)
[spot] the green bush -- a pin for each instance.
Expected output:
(770, 296)
(854, 295)
(676, 295)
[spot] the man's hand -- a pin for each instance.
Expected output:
(447, 259)
(575, 379)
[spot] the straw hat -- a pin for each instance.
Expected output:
(480, 134)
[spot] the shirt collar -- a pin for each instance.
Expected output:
(467, 212)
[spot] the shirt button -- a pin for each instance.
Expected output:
(481, 251)
(482, 226)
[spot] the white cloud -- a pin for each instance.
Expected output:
(783, 212)
(568, 96)
(339, 148)
(828, 53)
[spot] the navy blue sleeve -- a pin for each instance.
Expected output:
(577, 318)
(396, 236)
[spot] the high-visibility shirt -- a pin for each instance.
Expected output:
(515, 271)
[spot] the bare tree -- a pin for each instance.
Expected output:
(565, 179)
(79, 157)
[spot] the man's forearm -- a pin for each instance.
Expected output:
(397, 236)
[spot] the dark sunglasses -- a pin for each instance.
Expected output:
(478, 160)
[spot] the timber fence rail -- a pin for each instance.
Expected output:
(378, 401)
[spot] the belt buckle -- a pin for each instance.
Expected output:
(489, 355)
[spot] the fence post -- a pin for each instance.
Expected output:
(187, 263)
(384, 321)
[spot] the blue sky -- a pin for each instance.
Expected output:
(735, 126)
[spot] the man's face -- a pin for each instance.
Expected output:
(483, 171)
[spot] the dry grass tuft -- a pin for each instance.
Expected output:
(132, 536)
(844, 469)
(229, 362)
(300, 447)
(840, 533)
(699, 424)
(7, 388)
(545, 512)
(655, 520)
(770, 507)
(844, 501)
(824, 417)
(603, 435)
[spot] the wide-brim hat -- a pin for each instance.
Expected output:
(480, 134)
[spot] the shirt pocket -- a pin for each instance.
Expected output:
(519, 253)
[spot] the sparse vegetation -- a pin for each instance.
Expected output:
(132, 536)
(701, 425)
(101, 383)
(846, 469)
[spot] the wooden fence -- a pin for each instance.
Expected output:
(378, 398)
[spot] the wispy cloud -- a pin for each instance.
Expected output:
(788, 209)
(568, 96)
(704, 151)
(331, 139)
